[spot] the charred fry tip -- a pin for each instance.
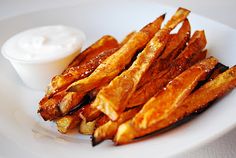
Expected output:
(73, 88)
(94, 141)
(163, 16)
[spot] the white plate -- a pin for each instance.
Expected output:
(24, 134)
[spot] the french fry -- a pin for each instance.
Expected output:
(69, 101)
(199, 99)
(83, 64)
(48, 108)
(105, 43)
(160, 79)
(126, 39)
(70, 121)
(113, 98)
(85, 127)
(102, 120)
(97, 53)
(163, 104)
(174, 46)
(113, 65)
(109, 129)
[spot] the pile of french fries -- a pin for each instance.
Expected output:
(151, 80)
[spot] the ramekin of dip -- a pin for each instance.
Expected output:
(40, 53)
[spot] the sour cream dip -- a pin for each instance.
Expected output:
(40, 53)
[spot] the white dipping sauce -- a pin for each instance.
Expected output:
(40, 53)
(44, 43)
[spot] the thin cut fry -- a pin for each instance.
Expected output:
(96, 54)
(199, 99)
(68, 122)
(113, 65)
(161, 78)
(109, 129)
(174, 46)
(112, 99)
(87, 127)
(162, 105)
(84, 63)
(126, 39)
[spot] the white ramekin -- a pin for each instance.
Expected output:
(38, 74)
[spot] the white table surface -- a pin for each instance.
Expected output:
(220, 10)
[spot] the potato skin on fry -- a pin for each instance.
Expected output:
(163, 104)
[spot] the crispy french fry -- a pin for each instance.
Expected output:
(70, 121)
(48, 108)
(174, 46)
(84, 64)
(94, 55)
(109, 129)
(69, 101)
(199, 99)
(163, 104)
(102, 120)
(112, 99)
(105, 43)
(114, 64)
(87, 127)
(161, 78)
(126, 39)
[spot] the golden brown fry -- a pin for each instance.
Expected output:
(61, 82)
(102, 120)
(200, 98)
(105, 43)
(48, 108)
(69, 101)
(109, 129)
(156, 85)
(94, 55)
(174, 46)
(126, 39)
(213, 89)
(178, 41)
(83, 64)
(161, 78)
(114, 64)
(87, 127)
(112, 99)
(68, 122)
(163, 104)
